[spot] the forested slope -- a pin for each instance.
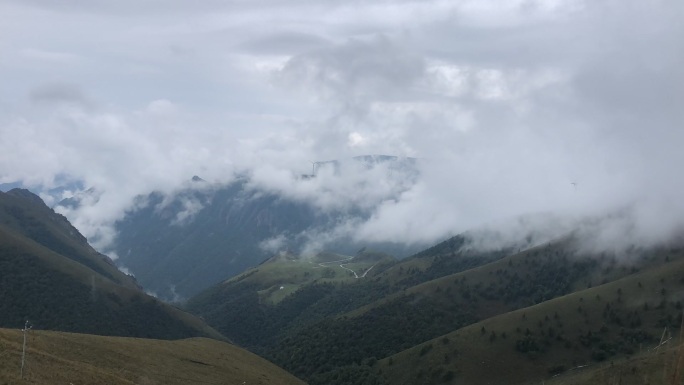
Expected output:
(55, 280)
(331, 332)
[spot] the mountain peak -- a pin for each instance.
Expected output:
(26, 194)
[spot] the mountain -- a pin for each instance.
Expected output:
(297, 331)
(173, 250)
(179, 244)
(615, 321)
(289, 292)
(52, 277)
(453, 314)
(62, 186)
(68, 358)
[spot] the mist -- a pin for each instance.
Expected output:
(525, 117)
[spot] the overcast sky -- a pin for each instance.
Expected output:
(509, 102)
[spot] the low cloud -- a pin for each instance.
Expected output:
(562, 111)
(344, 185)
(190, 208)
(60, 94)
(274, 244)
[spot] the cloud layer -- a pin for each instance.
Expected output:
(514, 108)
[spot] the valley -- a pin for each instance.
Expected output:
(452, 313)
(179, 243)
(471, 192)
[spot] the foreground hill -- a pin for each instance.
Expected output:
(54, 279)
(66, 358)
(415, 321)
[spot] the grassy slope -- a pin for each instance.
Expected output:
(282, 276)
(411, 315)
(471, 355)
(37, 266)
(432, 289)
(253, 311)
(649, 368)
(488, 284)
(49, 268)
(24, 213)
(422, 300)
(66, 358)
(427, 310)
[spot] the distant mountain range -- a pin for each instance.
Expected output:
(179, 244)
(53, 194)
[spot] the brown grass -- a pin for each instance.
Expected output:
(68, 358)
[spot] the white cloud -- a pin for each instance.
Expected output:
(356, 139)
(161, 107)
(274, 244)
(508, 103)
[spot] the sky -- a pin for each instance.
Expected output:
(559, 108)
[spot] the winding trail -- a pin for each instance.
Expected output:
(356, 275)
(342, 265)
(323, 264)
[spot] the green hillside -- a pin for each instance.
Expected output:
(24, 213)
(288, 292)
(345, 332)
(54, 279)
(584, 329)
(67, 358)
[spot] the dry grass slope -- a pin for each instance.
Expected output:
(67, 358)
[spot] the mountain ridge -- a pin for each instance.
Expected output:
(178, 244)
(56, 280)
